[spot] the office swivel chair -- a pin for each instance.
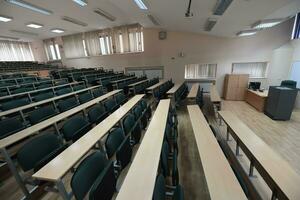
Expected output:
(289, 84)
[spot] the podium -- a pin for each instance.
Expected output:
(280, 102)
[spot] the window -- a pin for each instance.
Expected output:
(136, 43)
(254, 69)
(150, 72)
(52, 49)
(84, 48)
(105, 45)
(295, 73)
(200, 71)
(15, 51)
(121, 43)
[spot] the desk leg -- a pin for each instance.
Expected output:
(237, 149)
(251, 168)
(227, 134)
(15, 173)
(62, 190)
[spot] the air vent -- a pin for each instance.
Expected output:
(24, 32)
(153, 20)
(105, 14)
(74, 21)
(222, 6)
(210, 23)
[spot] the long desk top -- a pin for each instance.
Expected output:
(194, 90)
(263, 94)
(61, 164)
(214, 94)
(138, 83)
(157, 85)
(275, 167)
(121, 80)
(32, 105)
(39, 90)
(140, 179)
(174, 88)
(220, 178)
(37, 127)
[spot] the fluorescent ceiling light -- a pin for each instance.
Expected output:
(34, 25)
(74, 21)
(30, 6)
(105, 14)
(141, 4)
(5, 18)
(57, 30)
(266, 23)
(221, 7)
(210, 23)
(81, 2)
(153, 20)
(246, 33)
(8, 37)
(24, 32)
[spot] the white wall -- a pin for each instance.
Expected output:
(199, 48)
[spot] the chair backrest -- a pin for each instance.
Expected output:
(124, 153)
(67, 104)
(105, 185)
(137, 110)
(110, 105)
(37, 150)
(113, 141)
(85, 97)
(159, 192)
(97, 92)
(143, 104)
(75, 127)
(10, 126)
(79, 87)
(289, 84)
(63, 91)
(41, 114)
(128, 123)
(42, 86)
(86, 174)
(120, 98)
(43, 96)
(97, 113)
(164, 159)
(15, 103)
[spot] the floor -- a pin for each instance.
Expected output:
(283, 137)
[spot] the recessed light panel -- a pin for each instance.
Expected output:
(105, 14)
(266, 23)
(74, 21)
(81, 2)
(30, 6)
(5, 18)
(57, 30)
(141, 4)
(34, 25)
(246, 33)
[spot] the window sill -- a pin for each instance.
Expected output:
(120, 54)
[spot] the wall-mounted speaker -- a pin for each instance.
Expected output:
(162, 35)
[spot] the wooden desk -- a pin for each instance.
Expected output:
(220, 178)
(277, 173)
(194, 91)
(60, 165)
(174, 89)
(257, 99)
(32, 105)
(39, 90)
(12, 139)
(215, 97)
(157, 85)
(140, 179)
(133, 85)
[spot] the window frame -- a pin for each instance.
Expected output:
(265, 76)
(202, 78)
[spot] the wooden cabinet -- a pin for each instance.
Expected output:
(235, 86)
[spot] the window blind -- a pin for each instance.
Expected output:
(15, 51)
(200, 71)
(254, 69)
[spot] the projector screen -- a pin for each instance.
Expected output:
(295, 73)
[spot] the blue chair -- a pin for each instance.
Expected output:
(41, 114)
(10, 126)
(66, 104)
(111, 105)
(97, 113)
(15, 103)
(85, 97)
(74, 128)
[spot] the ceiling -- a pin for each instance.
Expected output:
(170, 14)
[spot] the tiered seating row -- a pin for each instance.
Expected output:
(159, 90)
(277, 173)
(145, 180)
(25, 87)
(117, 144)
(18, 66)
(141, 86)
(220, 178)
(71, 131)
(42, 110)
(178, 92)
